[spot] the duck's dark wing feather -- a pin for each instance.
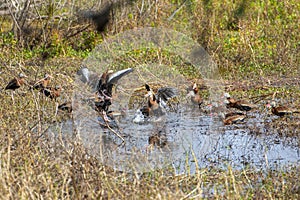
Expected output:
(113, 78)
(13, 84)
(166, 93)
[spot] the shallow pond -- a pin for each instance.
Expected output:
(185, 140)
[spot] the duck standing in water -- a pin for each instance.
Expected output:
(15, 84)
(281, 110)
(195, 96)
(238, 104)
(103, 95)
(232, 118)
(156, 103)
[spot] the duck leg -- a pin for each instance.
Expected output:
(12, 97)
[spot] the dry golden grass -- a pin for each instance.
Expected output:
(34, 165)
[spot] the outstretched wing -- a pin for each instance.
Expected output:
(105, 86)
(166, 93)
(85, 74)
(113, 78)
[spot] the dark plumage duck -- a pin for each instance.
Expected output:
(16, 82)
(238, 104)
(233, 114)
(43, 83)
(195, 96)
(156, 103)
(52, 92)
(100, 18)
(103, 95)
(232, 118)
(281, 110)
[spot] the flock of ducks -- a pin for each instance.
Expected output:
(42, 85)
(156, 104)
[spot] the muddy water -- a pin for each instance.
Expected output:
(187, 139)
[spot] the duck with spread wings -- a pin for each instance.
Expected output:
(156, 103)
(103, 95)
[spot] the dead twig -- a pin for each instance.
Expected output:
(112, 130)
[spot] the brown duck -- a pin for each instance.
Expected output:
(103, 95)
(194, 94)
(52, 92)
(16, 82)
(156, 103)
(233, 114)
(281, 110)
(104, 88)
(238, 104)
(42, 83)
(232, 118)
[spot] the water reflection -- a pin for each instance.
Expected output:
(186, 138)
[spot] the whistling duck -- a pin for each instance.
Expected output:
(52, 92)
(15, 84)
(43, 83)
(281, 110)
(240, 104)
(155, 103)
(103, 96)
(195, 97)
(231, 118)
(233, 114)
